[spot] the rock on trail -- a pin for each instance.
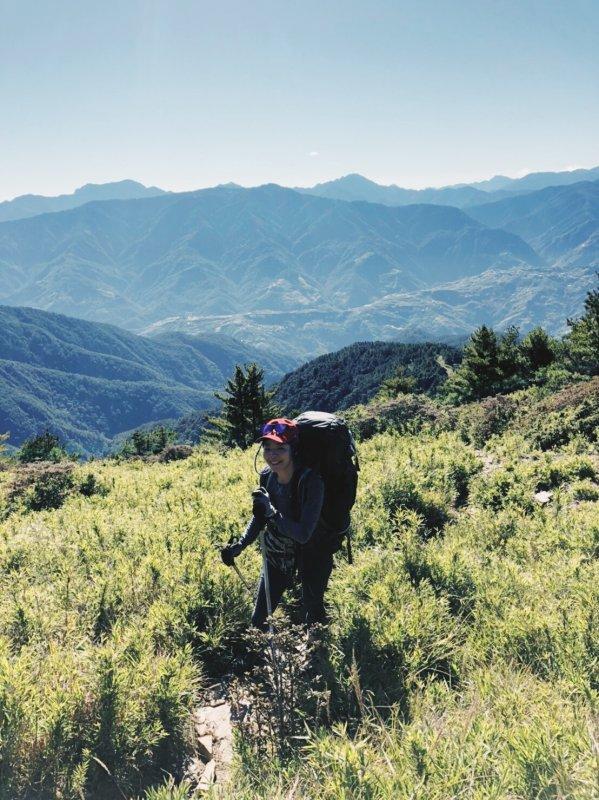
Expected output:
(212, 724)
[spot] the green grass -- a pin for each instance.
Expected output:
(463, 648)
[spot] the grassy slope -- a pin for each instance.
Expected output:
(471, 612)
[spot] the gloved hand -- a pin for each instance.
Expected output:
(230, 552)
(262, 508)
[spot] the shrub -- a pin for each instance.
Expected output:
(585, 490)
(402, 493)
(45, 447)
(501, 489)
(572, 412)
(551, 473)
(283, 694)
(389, 635)
(99, 725)
(406, 414)
(42, 485)
(90, 485)
(175, 452)
(478, 422)
(143, 443)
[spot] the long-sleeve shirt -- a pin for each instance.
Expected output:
(283, 532)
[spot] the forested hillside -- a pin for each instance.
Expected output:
(354, 374)
(88, 381)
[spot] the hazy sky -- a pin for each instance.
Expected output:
(186, 94)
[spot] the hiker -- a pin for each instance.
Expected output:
(288, 506)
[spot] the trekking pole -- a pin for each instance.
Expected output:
(266, 584)
(241, 578)
(275, 660)
(245, 584)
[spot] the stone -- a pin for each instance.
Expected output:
(224, 753)
(195, 769)
(208, 777)
(543, 497)
(205, 747)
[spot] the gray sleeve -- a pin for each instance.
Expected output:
(251, 532)
(312, 495)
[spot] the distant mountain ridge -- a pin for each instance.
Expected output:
(89, 381)
(30, 205)
(560, 222)
(356, 187)
(443, 313)
(229, 250)
(303, 275)
(462, 195)
(537, 180)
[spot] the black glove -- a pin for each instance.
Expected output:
(262, 508)
(230, 552)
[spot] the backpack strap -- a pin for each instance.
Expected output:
(265, 478)
(296, 483)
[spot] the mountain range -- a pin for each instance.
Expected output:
(229, 275)
(29, 205)
(560, 223)
(348, 187)
(303, 275)
(230, 251)
(463, 195)
(89, 381)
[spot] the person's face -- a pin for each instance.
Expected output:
(277, 456)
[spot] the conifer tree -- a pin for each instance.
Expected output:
(246, 404)
(44, 447)
(139, 440)
(582, 342)
(478, 375)
(538, 349)
(510, 362)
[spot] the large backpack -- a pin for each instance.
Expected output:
(327, 446)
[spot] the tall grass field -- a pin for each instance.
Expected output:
(461, 658)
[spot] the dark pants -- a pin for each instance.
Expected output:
(314, 573)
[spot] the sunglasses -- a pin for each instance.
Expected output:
(278, 428)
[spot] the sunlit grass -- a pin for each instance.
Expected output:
(462, 650)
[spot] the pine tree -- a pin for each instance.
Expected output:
(478, 375)
(246, 404)
(139, 440)
(510, 362)
(582, 342)
(44, 447)
(162, 436)
(538, 349)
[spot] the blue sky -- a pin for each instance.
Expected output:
(186, 94)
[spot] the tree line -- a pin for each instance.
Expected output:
(491, 364)
(494, 364)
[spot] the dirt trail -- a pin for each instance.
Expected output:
(214, 743)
